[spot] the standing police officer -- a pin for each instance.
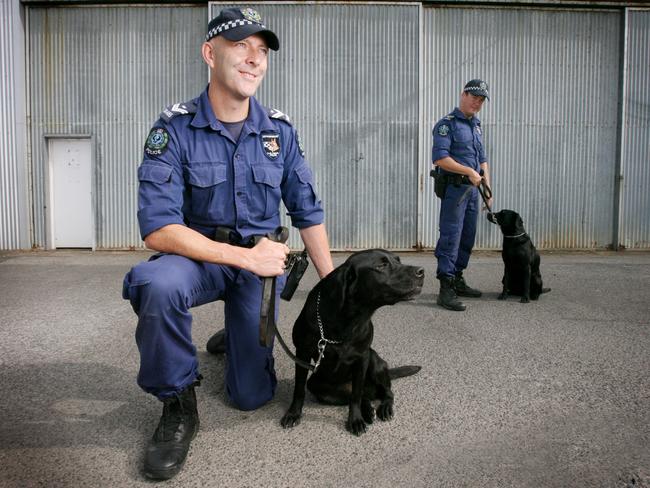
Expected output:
(220, 161)
(460, 161)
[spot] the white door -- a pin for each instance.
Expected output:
(71, 193)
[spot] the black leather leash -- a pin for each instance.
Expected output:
(484, 190)
(267, 309)
(268, 327)
(297, 265)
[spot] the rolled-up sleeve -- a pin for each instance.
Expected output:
(441, 140)
(298, 188)
(160, 190)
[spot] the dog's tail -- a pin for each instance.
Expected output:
(545, 290)
(402, 371)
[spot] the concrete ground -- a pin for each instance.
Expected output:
(555, 393)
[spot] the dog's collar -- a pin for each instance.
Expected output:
(518, 235)
(322, 342)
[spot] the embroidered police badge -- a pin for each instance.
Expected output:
(157, 141)
(443, 130)
(271, 145)
(252, 15)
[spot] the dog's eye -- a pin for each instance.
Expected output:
(384, 262)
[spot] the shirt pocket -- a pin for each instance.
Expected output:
(209, 197)
(267, 192)
(463, 135)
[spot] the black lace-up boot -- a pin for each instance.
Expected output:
(462, 289)
(447, 297)
(217, 343)
(178, 425)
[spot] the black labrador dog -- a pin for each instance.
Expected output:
(337, 319)
(521, 276)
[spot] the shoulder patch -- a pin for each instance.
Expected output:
(301, 149)
(443, 130)
(156, 141)
(276, 114)
(176, 109)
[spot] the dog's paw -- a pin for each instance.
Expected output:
(385, 411)
(290, 419)
(524, 300)
(356, 426)
(367, 412)
(502, 296)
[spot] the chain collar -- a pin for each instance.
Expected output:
(322, 342)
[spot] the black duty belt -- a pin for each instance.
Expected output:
(453, 179)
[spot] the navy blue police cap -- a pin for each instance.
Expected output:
(236, 24)
(477, 87)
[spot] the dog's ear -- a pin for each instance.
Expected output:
(346, 280)
(348, 284)
(519, 222)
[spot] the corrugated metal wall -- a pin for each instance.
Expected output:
(14, 231)
(353, 98)
(635, 208)
(364, 96)
(551, 125)
(109, 71)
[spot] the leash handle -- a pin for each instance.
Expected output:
(267, 308)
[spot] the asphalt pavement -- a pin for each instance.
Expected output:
(554, 393)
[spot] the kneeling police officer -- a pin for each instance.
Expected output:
(219, 161)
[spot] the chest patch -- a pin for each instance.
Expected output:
(271, 145)
(156, 141)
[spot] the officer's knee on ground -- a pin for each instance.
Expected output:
(248, 400)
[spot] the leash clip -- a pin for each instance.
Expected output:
(322, 342)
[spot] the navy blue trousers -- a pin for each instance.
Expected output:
(457, 230)
(161, 292)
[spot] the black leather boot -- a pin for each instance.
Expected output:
(447, 297)
(462, 289)
(178, 425)
(217, 343)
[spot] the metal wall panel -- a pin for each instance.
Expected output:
(635, 208)
(14, 228)
(551, 125)
(109, 72)
(354, 99)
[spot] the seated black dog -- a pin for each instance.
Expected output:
(521, 276)
(337, 318)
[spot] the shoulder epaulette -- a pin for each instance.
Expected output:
(450, 117)
(178, 109)
(276, 114)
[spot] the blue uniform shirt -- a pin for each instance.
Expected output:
(460, 138)
(194, 173)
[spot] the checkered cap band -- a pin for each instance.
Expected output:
(231, 24)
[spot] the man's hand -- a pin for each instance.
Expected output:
(267, 258)
(474, 178)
